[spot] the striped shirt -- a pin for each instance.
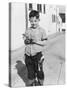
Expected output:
(37, 35)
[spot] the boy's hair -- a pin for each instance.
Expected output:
(34, 13)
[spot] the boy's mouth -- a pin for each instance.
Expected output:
(34, 27)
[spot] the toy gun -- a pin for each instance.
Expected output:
(27, 40)
(30, 41)
(40, 64)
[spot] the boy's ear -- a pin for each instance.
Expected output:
(39, 19)
(29, 19)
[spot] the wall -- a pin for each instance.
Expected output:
(18, 21)
(46, 18)
(17, 25)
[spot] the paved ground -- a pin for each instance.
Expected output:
(53, 66)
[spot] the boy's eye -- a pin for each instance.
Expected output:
(31, 21)
(35, 21)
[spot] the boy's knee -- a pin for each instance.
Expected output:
(31, 75)
(40, 75)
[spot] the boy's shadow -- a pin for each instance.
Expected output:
(22, 71)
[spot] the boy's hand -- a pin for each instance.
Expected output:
(27, 41)
(31, 41)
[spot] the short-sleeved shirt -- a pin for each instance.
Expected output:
(37, 35)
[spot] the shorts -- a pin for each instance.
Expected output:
(32, 66)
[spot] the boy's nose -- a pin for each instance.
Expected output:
(33, 24)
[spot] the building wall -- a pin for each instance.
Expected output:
(61, 9)
(45, 18)
(18, 25)
(50, 20)
(19, 21)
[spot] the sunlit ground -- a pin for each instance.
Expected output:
(53, 66)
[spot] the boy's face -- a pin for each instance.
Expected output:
(34, 22)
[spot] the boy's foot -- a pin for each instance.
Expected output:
(31, 84)
(36, 83)
(40, 83)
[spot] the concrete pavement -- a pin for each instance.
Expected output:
(53, 66)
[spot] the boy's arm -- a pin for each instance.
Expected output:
(42, 43)
(43, 38)
(26, 38)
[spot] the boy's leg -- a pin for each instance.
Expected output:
(40, 77)
(40, 73)
(30, 68)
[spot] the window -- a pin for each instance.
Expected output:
(62, 15)
(44, 8)
(53, 18)
(39, 7)
(30, 6)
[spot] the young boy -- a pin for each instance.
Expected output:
(34, 41)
